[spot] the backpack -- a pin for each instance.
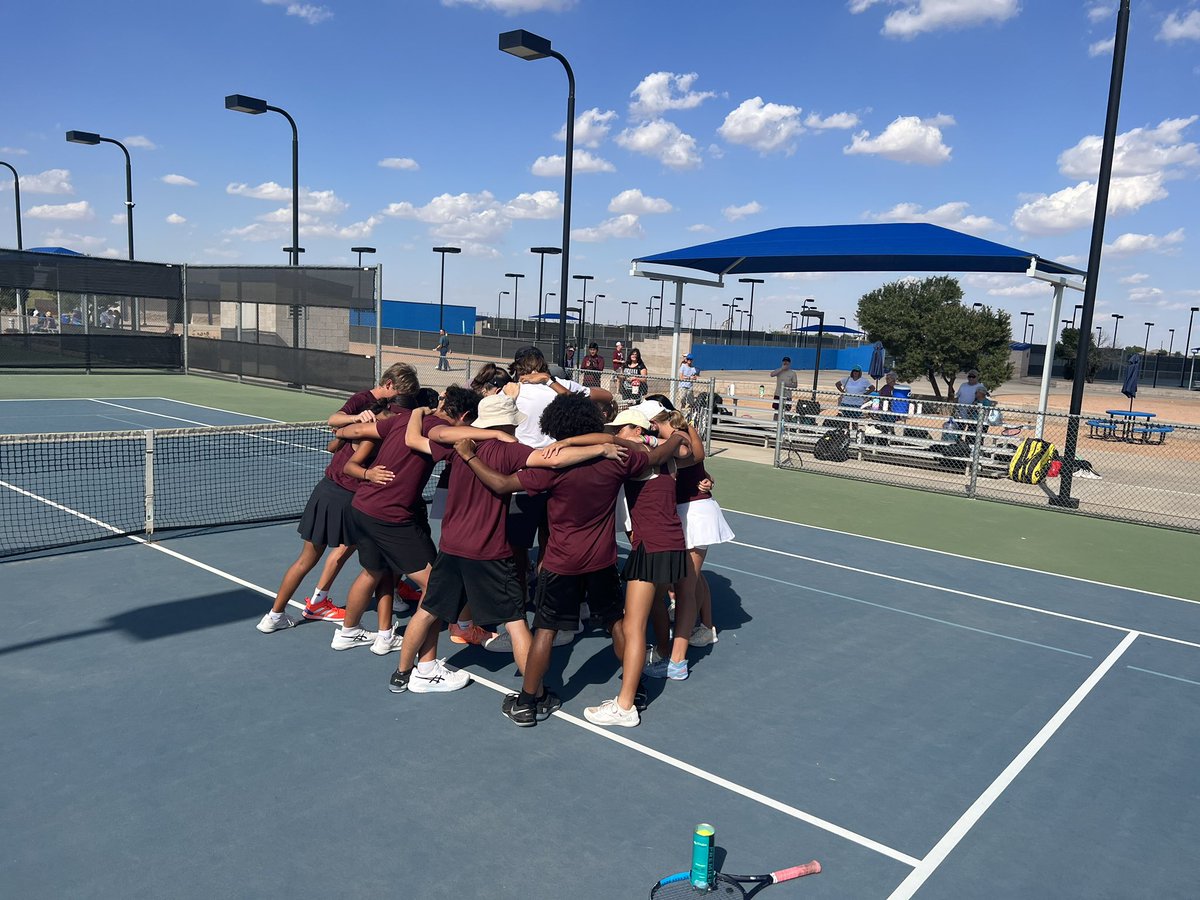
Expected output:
(955, 455)
(833, 446)
(807, 411)
(1031, 461)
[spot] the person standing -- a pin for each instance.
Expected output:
(443, 348)
(687, 376)
(592, 365)
(618, 357)
(785, 380)
(854, 391)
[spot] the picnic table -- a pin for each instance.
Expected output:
(1133, 425)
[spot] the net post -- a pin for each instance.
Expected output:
(87, 334)
(187, 315)
(975, 451)
(378, 282)
(784, 397)
(149, 482)
(712, 390)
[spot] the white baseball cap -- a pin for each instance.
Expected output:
(498, 409)
(631, 416)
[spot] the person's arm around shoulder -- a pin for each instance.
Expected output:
(412, 434)
(491, 479)
(358, 431)
(355, 467)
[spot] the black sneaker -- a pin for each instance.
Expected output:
(548, 704)
(640, 699)
(524, 716)
(399, 682)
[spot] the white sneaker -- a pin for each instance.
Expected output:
(501, 643)
(443, 678)
(562, 638)
(702, 637)
(585, 616)
(386, 642)
(652, 655)
(266, 624)
(610, 713)
(343, 641)
(400, 607)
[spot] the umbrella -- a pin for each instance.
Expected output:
(1129, 388)
(875, 369)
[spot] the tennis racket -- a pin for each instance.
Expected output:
(729, 887)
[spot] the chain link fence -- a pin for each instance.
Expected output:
(1129, 467)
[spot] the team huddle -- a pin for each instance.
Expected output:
(529, 459)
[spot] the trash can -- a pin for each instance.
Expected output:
(900, 400)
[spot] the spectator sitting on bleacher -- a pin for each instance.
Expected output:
(854, 391)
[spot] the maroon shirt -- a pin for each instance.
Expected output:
(582, 511)
(474, 520)
(335, 471)
(656, 525)
(687, 484)
(399, 500)
(357, 403)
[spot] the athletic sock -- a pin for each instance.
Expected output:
(317, 597)
(526, 699)
(275, 616)
(464, 624)
(425, 668)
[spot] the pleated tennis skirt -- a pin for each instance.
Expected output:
(663, 567)
(326, 518)
(703, 524)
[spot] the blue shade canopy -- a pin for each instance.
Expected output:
(901, 247)
(827, 329)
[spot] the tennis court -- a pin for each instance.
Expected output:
(921, 722)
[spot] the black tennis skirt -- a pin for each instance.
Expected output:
(664, 567)
(326, 518)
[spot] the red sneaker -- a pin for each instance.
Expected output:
(470, 635)
(325, 611)
(406, 591)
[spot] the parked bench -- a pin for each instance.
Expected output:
(1146, 432)
(1102, 428)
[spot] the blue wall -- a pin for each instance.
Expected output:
(716, 357)
(418, 317)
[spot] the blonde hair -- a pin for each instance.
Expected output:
(674, 418)
(403, 378)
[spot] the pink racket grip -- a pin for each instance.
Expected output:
(812, 868)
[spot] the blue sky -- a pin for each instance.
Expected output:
(696, 121)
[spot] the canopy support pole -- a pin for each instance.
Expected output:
(1048, 360)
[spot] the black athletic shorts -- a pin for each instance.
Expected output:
(526, 512)
(388, 547)
(489, 585)
(558, 598)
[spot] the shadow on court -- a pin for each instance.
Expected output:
(148, 623)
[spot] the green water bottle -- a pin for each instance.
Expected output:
(703, 847)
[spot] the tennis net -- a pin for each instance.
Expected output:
(59, 490)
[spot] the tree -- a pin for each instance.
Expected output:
(930, 334)
(1067, 350)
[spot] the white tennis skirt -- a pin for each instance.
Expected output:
(703, 524)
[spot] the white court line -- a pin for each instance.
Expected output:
(229, 412)
(968, 594)
(717, 780)
(974, 559)
(146, 412)
(967, 820)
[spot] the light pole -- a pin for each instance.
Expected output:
(16, 200)
(741, 312)
(442, 284)
(820, 317)
(549, 294)
(88, 137)
(516, 277)
(629, 305)
(791, 314)
(541, 252)
(1117, 317)
(1146, 346)
(695, 311)
(1171, 343)
(255, 107)
(595, 315)
(583, 304)
(732, 307)
(499, 294)
(750, 321)
(1025, 326)
(976, 306)
(1188, 343)
(843, 321)
(526, 45)
(1099, 337)
(1075, 312)
(650, 310)
(360, 251)
(662, 292)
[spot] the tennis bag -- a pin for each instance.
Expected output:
(1031, 461)
(833, 446)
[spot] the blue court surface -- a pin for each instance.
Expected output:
(111, 414)
(923, 724)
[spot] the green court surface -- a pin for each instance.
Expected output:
(1137, 556)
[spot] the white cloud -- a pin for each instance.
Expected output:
(766, 127)
(399, 162)
(1144, 294)
(733, 213)
(700, 227)
(52, 181)
(908, 139)
(14, 151)
(1181, 28)
(1130, 243)
(175, 219)
(1007, 285)
(352, 232)
(626, 226)
(311, 13)
(118, 219)
(512, 7)
(1139, 151)
(1099, 12)
(180, 180)
(83, 243)
(67, 211)
(321, 202)
(477, 221)
(918, 16)
(1074, 207)
(949, 215)
(591, 127)
(1135, 278)
(661, 91)
(1102, 48)
(634, 201)
(140, 141)
(584, 163)
(836, 120)
(664, 141)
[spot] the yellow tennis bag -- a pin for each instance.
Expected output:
(1031, 461)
